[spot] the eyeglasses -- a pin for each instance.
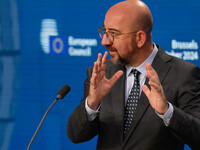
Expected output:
(110, 34)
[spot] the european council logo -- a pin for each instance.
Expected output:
(58, 44)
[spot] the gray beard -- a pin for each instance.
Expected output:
(121, 61)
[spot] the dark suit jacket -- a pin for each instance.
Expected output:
(181, 84)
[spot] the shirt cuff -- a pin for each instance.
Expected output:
(91, 114)
(168, 115)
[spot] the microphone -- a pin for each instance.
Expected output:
(60, 95)
(63, 91)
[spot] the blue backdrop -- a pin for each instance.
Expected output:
(45, 44)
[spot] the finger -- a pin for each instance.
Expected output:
(93, 80)
(151, 70)
(116, 77)
(95, 68)
(154, 86)
(151, 73)
(146, 91)
(105, 56)
(99, 61)
(94, 74)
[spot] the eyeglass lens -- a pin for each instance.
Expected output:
(108, 35)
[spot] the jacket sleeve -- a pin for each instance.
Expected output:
(185, 122)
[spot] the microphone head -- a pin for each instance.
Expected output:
(63, 91)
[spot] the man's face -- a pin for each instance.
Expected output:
(121, 53)
(123, 49)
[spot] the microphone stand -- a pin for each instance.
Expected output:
(41, 123)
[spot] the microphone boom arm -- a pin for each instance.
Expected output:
(60, 95)
(41, 123)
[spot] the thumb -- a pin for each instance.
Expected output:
(116, 77)
(146, 91)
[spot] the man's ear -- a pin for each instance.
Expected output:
(140, 38)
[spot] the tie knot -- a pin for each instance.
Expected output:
(136, 73)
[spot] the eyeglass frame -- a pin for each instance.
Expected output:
(107, 36)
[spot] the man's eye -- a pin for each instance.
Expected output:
(113, 33)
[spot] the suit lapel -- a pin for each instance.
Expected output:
(117, 98)
(161, 67)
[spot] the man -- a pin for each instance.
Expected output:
(141, 99)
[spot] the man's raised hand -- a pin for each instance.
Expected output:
(100, 86)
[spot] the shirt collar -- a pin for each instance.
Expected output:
(141, 68)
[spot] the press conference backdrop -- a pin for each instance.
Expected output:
(45, 44)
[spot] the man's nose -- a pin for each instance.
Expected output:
(105, 40)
